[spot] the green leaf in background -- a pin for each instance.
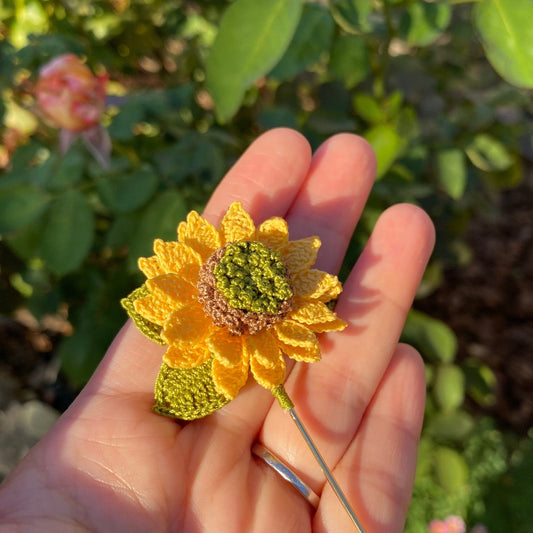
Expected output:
(122, 230)
(253, 36)
(159, 219)
(21, 205)
(278, 117)
(368, 108)
(123, 126)
(352, 15)
(311, 40)
(451, 171)
(480, 382)
(194, 155)
(433, 338)
(68, 232)
(488, 153)
(126, 192)
(507, 36)
(449, 387)
(423, 22)
(349, 61)
(95, 324)
(25, 242)
(30, 17)
(451, 426)
(66, 171)
(451, 470)
(387, 144)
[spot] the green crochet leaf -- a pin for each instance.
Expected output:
(187, 394)
(151, 330)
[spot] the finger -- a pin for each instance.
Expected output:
(333, 197)
(265, 179)
(377, 471)
(339, 181)
(331, 396)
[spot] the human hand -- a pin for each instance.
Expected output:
(110, 464)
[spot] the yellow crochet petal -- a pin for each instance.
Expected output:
(178, 258)
(229, 380)
(263, 347)
(199, 234)
(181, 355)
(153, 309)
(300, 255)
(172, 288)
(311, 312)
(333, 325)
(307, 354)
(316, 284)
(268, 376)
(188, 324)
(273, 233)
(294, 334)
(226, 348)
(150, 266)
(236, 225)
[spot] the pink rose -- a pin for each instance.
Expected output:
(438, 526)
(70, 95)
(455, 524)
(452, 524)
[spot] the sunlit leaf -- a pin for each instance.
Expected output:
(451, 470)
(488, 153)
(507, 36)
(368, 108)
(423, 22)
(451, 171)
(449, 387)
(386, 143)
(253, 36)
(432, 337)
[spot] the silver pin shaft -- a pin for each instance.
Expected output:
(327, 473)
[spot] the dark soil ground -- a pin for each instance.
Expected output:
(489, 305)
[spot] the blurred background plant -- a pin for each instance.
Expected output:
(439, 88)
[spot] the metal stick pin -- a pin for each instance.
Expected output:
(329, 476)
(285, 402)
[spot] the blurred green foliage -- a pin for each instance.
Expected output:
(440, 90)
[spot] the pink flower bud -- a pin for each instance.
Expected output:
(455, 524)
(69, 94)
(438, 526)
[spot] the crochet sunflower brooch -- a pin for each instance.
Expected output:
(227, 302)
(231, 301)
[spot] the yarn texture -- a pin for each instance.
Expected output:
(229, 302)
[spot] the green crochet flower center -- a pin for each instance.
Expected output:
(252, 278)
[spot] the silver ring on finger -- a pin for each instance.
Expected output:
(286, 473)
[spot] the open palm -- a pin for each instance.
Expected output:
(110, 464)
